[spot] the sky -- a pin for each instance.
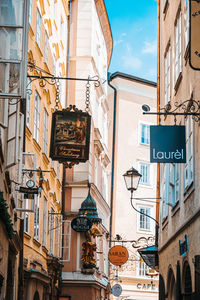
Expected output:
(134, 29)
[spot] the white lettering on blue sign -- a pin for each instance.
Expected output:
(168, 155)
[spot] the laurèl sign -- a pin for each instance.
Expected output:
(167, 144)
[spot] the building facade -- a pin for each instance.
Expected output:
(85, 271)
(13, 58)
(131, 228)
(47, 53)
(179, 208)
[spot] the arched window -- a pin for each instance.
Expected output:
(36, 296)
(187, 282)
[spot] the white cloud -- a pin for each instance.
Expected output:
(117, 42)
(150, 47)
(130, 61)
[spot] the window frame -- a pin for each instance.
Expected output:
(167, 75)
(149, 174)
(186, 23)
(189, 154)
(146, 133)
(178, 47)
(38, 27)
(45, 131)
(36, 222)
(147, 221)
(44, 231)
(36, 121)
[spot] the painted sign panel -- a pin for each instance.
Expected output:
(81, 224)
(116, 290)
(118, 255)
(70, 136)
(167, 144)
(194, 54)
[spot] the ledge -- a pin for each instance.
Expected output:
(37, 146)
(36, 242)
(27, 236)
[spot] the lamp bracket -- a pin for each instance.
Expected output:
(189, 107)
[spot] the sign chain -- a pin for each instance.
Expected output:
(57, 84)
(87, 101)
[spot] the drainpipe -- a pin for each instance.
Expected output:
(113, 154)
(158, 110)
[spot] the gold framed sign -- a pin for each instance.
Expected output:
(194, 52)
(70, 136)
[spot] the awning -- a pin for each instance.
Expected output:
(150, 256)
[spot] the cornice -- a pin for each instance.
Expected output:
(105, 25)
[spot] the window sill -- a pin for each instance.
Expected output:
(175, 208)
(44, 249)
(188, 191)
(144, 145)
(27, 236)
(36, 145)
(186, 55)
(36, 242)
(178, 81)
(165, 222)
(165, 7)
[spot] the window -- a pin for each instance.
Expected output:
(186, 15)
(145, 172)
(167, 77)
(36, 217)
(28, 102)
(45, 132)
(30, 11)
(142, 269)
(104, 185)
(46, 47)
(58, 170)
(56, 246)
(38, 28)
(26, 215)
(36, 121)
(174, 183)
(51, 230)
(189, 167)
(44, 233)
(165, 190)
(66, 238)
(96, 171)
(178, 63)
(144, 221)
(144, 134)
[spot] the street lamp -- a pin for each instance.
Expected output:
(132, 179)
(149, 254)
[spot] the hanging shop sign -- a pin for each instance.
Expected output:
(70, 136)
(116, 290)
(167, 144)
(118, 255)
(184, 246)
(81, 224)
(194, 50)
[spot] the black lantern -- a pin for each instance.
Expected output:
(132, 178)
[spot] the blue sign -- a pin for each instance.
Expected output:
(167, 144)
(81, 224)
(184, 246)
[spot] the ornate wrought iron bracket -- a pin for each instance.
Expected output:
(186, 108)
(46, 77)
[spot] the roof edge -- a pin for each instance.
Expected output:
(131, 77)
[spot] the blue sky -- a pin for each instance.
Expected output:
(134, 29)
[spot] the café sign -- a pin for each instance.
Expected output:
(70, 136)
(167, 144)
(118, 255)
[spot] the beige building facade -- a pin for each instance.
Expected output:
(87, 184)
(179, 208)
(131, 149)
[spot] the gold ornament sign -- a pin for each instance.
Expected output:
(70, 135)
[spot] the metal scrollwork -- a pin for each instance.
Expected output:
(143, 242)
